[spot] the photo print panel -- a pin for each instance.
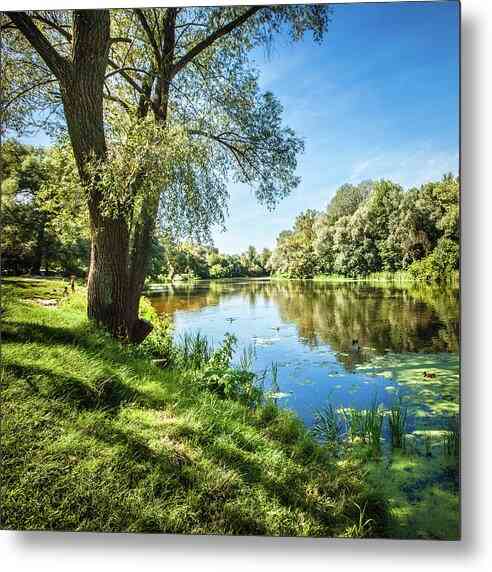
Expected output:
(230, 270)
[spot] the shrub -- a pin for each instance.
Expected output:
(440, 264)
(218, 376)
(159, 343)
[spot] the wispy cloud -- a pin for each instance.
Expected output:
(406, 168)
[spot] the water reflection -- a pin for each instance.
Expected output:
(307, 328)
(383, 318)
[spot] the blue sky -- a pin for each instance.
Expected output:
(378, 98)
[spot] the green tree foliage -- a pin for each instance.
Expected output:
(373, 227)
(348, 199)
(295, 255)
(43, 227)
(162, 107)
(186, 260)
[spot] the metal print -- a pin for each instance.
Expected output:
(230, 270)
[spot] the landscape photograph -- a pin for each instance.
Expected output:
(230, 270)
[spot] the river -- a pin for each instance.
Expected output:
(408, 337)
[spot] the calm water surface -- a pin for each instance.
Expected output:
(306, 328)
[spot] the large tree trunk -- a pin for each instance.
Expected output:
(109, 297)
(144, 225)
(140, 251)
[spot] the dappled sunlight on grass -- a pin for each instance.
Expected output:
(97, 437)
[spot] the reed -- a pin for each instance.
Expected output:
(247, 358)
(329, 425)
(365, 425)
(374, 427)
(274, 370)
(357, 424)
(428, 444)
(397, 420)
(451, 442)
(194, 350)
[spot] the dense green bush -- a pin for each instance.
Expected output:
(440, 265)
(220, 377)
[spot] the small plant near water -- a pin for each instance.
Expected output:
(247, 358)
(362, 528)
(356, 422)
(329, 426)
(219, 376)
(428, 444)
(336, 426)
(194, 350)
(374, 423)
(274, 370)
(451, 442)
(397, 420)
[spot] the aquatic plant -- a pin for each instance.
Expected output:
(374, 427)
(451, 442)
(397, 419)
(274, 370)
(194, 350)
(218, 376)
(337, 425)
(356, 421)
(428, 444)
(247, 358)
(329, 426)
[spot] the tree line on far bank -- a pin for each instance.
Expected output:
(376, 227)
(366, 228)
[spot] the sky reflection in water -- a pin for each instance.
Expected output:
(307, 328)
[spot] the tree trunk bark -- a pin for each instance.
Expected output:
(108, 297)
(139, 260)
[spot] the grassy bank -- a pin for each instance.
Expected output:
(374, 277)
(402, 277)
(97, 436)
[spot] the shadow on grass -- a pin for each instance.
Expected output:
(94, 342)
(104, 393)
(13, 331)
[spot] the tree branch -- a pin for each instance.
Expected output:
(237, 153)
(55, 25)
(115, 99)
(149, 33)
(20, 94)
(57, 64)
(178, 66)
(124, 75)
(123, 69)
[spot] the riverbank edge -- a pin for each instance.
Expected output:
(77, 407)
(378, 277)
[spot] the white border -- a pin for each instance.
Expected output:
(65, 552)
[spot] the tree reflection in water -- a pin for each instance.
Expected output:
(395, 318)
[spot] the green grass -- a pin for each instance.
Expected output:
(98, 437)
(400, 276)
